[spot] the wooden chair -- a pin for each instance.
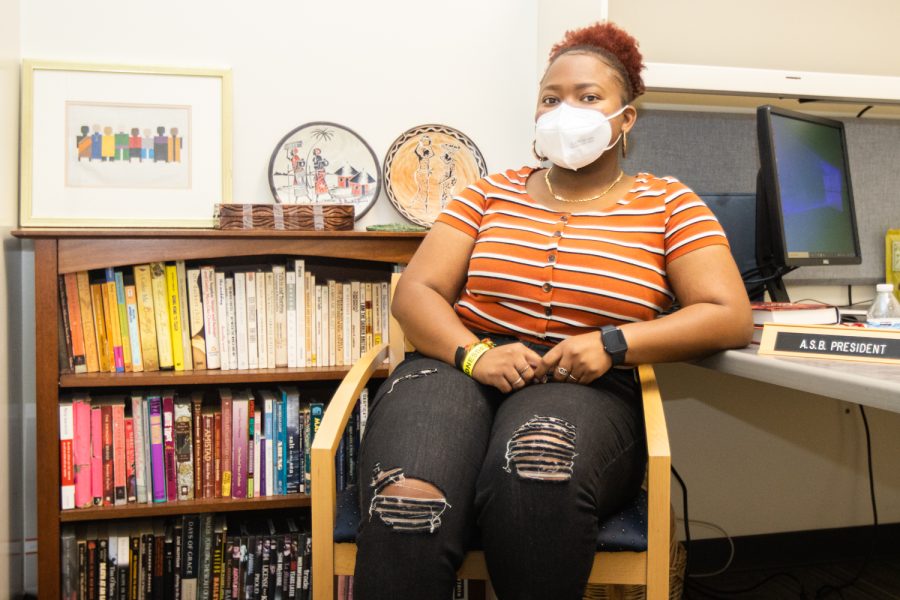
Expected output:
(649, 568)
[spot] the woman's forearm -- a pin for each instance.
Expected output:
(429, 322)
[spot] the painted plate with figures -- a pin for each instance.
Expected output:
(428, 165)
(325, 163)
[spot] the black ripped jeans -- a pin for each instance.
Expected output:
(529, 474)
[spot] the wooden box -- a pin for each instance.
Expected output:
(287, 217)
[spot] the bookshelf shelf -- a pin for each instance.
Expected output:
(214, 377)
(60, 251)
(165, 509)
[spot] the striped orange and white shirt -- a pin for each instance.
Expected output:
(543, 275)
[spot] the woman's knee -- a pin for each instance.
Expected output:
(405, 504)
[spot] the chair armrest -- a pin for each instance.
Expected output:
(659, 463)
(324, 447)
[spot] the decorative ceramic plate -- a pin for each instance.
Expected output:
(428, 165)
(324, 163)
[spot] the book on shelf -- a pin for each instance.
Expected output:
(122, 311)
(143, 288)
(134, 332)
(231, 324)
(227, 425)
(72, 310)
(161, 311)
(222, 318)
(291, 317)
(67, 454)
(173, 304)
(184, 450)
(196, 319)
(240, 320)
(113, 323)
(120, 481)
(280, 302)
(184, 318)
(210, 316)
(252, 320)
(130, 462)
(269, 278)
(217, 453)
(794, 313)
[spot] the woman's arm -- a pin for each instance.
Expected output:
(715, 315)
(423, 300)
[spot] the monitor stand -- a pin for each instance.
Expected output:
(775, 284)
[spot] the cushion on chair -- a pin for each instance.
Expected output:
(624, 531)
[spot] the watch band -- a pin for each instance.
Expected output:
(614, 343)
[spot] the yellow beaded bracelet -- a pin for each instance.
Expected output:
(474, 353)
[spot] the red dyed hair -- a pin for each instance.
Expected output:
(614, 45)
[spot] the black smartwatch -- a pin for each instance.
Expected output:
(614, 343)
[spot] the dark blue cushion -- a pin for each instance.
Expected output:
(624, 531)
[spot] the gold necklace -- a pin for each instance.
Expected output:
(597, 197)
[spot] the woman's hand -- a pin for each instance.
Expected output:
(578, 359)
(508, 367)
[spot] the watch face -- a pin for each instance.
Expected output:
(614, 343)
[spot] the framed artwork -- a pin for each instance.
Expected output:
(324, 163)
(426, 166)
(121, 146)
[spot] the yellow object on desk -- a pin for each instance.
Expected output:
(892, 259)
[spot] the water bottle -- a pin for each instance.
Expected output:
(885, 310)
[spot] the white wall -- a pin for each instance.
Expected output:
(11, 496)
(378, 68)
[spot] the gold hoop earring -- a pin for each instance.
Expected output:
(534, 151)
(624, 144)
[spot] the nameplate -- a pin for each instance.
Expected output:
(832, 342)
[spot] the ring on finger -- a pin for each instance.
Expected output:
(517, 380)
(573, 378)
(562, 371)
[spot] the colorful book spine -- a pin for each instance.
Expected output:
(168, 408)
(130, 462)
(87, 322)
(184, 451)
(122, 312)
(292, 436)
(140, 435)
(79, 358)
(190, 556)
(157, 449)
(108, 453)
(225, 438)
(148, 456)
(66, 454)
(376, 313)
(210, 316)
(64, 329)
(120, 493)
(239, 445)
(316, 412)
(196, 318)
(161, 315)
(252, 322)
(111, 317)
(252, 450)
(81, 409)
(143, 287)
(104, 352)
(217, 453)
(134, 329)
(197, 441)
(280, 450)
(269, 443)
(257, 486)
(173, 303)
(208, 467)
(310, 319)
(184, 320)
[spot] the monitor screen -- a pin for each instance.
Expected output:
(807, 192)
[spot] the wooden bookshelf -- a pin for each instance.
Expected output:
(58, 251)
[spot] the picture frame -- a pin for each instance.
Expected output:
(123, 146)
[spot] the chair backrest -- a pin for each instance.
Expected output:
(397, 341)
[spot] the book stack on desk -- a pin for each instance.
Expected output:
(790, 313)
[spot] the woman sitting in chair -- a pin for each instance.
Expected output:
(518, 420)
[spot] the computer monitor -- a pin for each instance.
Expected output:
(805, 211)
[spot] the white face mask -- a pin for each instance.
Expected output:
(573, 137)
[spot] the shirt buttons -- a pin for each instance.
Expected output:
(546, 287)
(564, 218)
(551, 258)
(557, 234)
(548, 311)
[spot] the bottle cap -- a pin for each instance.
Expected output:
(884, 287)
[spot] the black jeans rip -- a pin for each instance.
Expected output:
(543, 448)
(403, 513)
(415, 375)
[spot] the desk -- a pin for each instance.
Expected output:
(869, 384)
